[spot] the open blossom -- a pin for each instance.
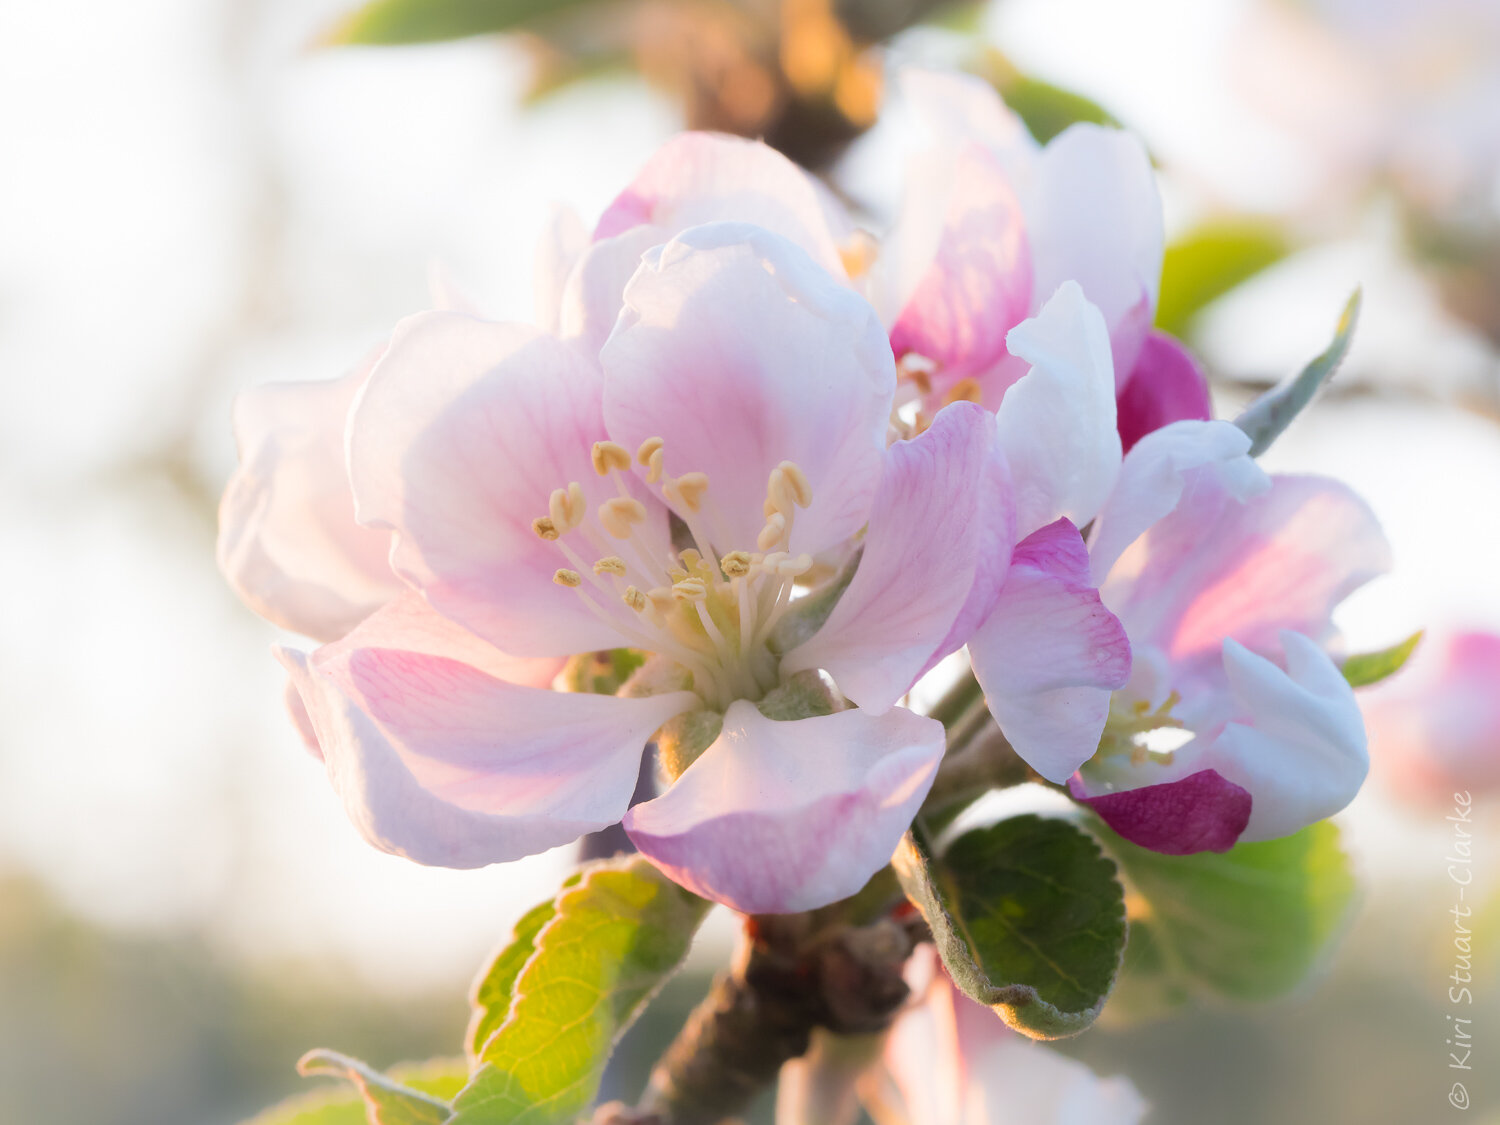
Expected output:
(1234, 723)
(1435, 730)
(949, 1061)
(670, 494)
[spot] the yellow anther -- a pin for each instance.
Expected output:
(736, 564)
(634, 599)
(676, 573)
(569, 578)
(649, 449)
(858, 253)
(690, 559)
(771, 534)
(792, 567)
(779, 498)
(610, 457)
(965, 390)
(689, 590)
(620, 514)
(557, 510)
(797, 480)
(544, 527)
(610, 564)
(691, 487)
(654, 470)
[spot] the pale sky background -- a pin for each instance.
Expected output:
(191, 202)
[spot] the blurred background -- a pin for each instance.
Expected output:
(198, 196)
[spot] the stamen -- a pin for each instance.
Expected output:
(689, 590)
(771, 534)
(690, 488)
(544, 527)
(569, 578)
(610, 456)
(557, 510)
(634, 599)
(611, 564)
(801, 487)
(650, 456)
(736, 564)
(965, 390)
(620, 514)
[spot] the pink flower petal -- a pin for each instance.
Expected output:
(562, 243)
(740, 352)
(1435, 729)
(1095, 218)
(1208, 461)
(974, 280)
(959, 109)
(1166, 386)
(595, 290)
(1217, 568)
(1201, 812)
(288, 543)
(697, 178)
(437, 761)
(1050, 654)
(463, 431)
(933, 549)
(1057, 424)
(787, 816)
(1299, 744)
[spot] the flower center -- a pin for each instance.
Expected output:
(713, 616)
(1142, 732)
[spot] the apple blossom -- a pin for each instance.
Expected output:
(532, 491)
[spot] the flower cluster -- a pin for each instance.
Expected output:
(752, 476)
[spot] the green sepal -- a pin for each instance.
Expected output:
(1366, 668)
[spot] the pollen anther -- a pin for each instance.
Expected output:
(736, 564)
(609, 457)
(544, 527)
(634, 599)
(610, 564)
(620, 514)
(569, 578)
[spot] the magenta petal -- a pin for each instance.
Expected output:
(1199, 813)
(787, 816)
(1166, 386)
(934, 558)
(1050, 654)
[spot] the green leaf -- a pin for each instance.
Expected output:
(614, 939)
(1248, 924)
(386, 1100)
(441, 1078)
(1366, 668)
(1047, 109)
(493, 988)
(1210, 260)
(393, 22)
(1266, 417)
(1028, 917)
(603, 672)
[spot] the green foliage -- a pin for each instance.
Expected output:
(1248, 924)
(603, 672)
(1210, 260)
(1266, 417)
(1047, 109)
(393, 22)
(1366, 668)
(496, 984)
(436, 1080)
(1028, 917)
(615, 937)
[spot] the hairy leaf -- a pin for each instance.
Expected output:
(1266, 417)
(1366, 668)
(440, 1078)
(385, 1100)
(393, 22)
(1247, 924)
(615, 937)
(1028, 917)
(1210, 260)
